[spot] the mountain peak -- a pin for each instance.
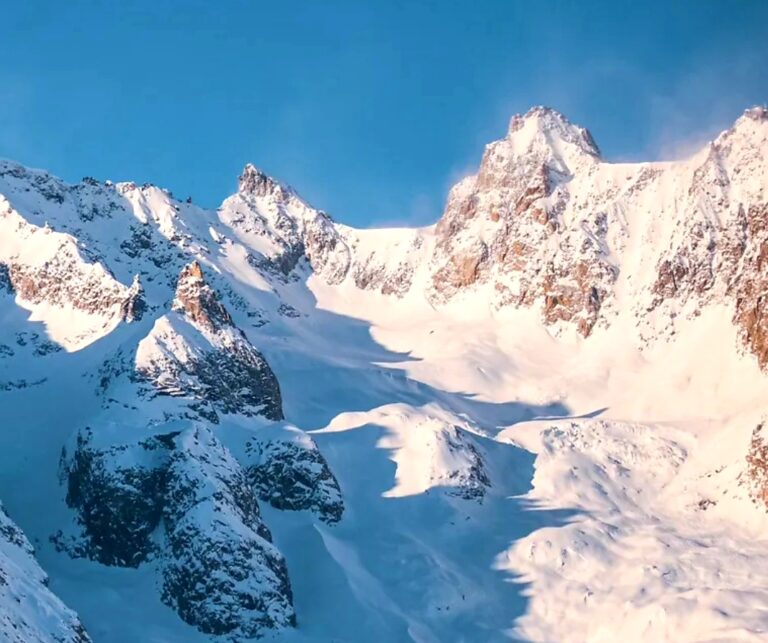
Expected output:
(749, 129)
(134, 306)
(254, 182)
(192, 271)
(540, 113)
(756, 113)
(751, 118)
(545, 122)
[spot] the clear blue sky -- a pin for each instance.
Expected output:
(371, 110)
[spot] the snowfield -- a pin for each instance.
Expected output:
(531, 421)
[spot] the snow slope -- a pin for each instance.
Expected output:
(539, 419)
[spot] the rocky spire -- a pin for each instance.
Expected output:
(253, 182)
(198, 301)
(133, 306)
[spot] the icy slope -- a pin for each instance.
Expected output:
(28, 609)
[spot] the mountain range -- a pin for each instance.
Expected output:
(541, 418)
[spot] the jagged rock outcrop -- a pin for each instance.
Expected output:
(181, 499)
(118, 492)
(288, 471)
(506, 226)
(469, 479)
(755, 477)
(286, 228)
(196, 352)
(29, 611)
(133, 307)
(220, 571)
(719, 249)
(197, 300)
(43, 266)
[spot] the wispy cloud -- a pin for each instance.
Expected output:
(705, 101)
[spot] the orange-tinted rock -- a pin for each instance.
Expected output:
(756, 475)
(198, 301)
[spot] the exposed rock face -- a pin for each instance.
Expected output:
(387, 267)
(254, 183)
(469, 479)
(5, 279)
(221, 572)
(545, 223)
(118, 493)
(751, 283)
(288, 228)
(29, 611)
(133, 307)
(48, 284)
(45, 266)
(197, 352)
(197, 300)
(183, 500)
(505, 226)
(719, 251)
(290, 473)
(756, 475)
(370, 276)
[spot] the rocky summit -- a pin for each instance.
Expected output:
(540, 418)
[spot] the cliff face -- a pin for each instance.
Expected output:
(220, 570)
(511, 226)
(283, 229)
(546, 224)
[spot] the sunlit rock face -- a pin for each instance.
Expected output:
(197, 352)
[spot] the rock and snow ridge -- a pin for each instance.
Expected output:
(29, 611)
(545, 223)
(164, 358)
(227, 376)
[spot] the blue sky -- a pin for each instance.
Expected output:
(371, 110)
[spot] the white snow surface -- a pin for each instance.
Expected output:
(612, 510)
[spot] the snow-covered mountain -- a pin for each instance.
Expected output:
(541, 418)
